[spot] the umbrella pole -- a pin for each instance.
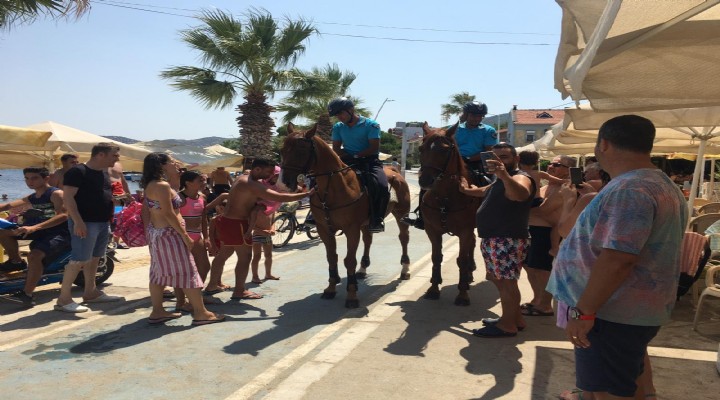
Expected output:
(711, 194)
(697, 175)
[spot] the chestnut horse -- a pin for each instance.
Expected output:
(341, 203)
(445, 209)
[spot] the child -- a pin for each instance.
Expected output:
(220, 253)
(261, 229)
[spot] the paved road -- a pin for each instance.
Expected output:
(293, 345)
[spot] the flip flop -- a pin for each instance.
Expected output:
(492, 331)
(162, 320)
(494, 321)
(531, 311)
(258, 281)
(212, 292)
(272, 278)
(248, 296)
(525, 306)
(168, 294)
(200, 322)
(574, 394)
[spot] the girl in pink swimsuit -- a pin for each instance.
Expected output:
(193, 212)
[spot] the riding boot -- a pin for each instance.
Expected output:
(416, 222)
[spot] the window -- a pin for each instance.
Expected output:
(529, 136)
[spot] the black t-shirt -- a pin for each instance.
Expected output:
(94, 195)
(500, 217)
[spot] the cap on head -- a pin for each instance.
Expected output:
(475, 107)
(339, 105)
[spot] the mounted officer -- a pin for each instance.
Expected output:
(472, 137)
(356, 140)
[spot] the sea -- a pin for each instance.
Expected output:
(12, 184)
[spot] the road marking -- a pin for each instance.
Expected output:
(295, 385)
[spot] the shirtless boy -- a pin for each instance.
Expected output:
(68, 161)
(221, 180)
(232, 225)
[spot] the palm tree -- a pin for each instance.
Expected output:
(457, 101)
(13, 12)
(311, 93)
(254, 55)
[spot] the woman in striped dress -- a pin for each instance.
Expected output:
(171, 263)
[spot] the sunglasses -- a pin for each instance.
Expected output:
(557, 164)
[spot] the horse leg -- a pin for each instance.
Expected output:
(332, 258)
(465, 264)
(353, 242)
(367, 239)
(404, 237)
(433, 293)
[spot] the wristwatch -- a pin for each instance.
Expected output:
(575, 313)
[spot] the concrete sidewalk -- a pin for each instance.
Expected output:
(404, 346)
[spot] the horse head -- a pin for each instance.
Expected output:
(439, 155)
(298, 155)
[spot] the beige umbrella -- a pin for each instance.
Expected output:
(12, 136)
(66, 139)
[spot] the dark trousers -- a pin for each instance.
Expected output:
(373, 177)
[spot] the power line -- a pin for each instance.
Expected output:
(439, 41)
(127, 4)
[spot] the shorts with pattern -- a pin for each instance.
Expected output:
(262, 239)
(504, 256)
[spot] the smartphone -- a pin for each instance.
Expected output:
(576, 176)
(488, 155)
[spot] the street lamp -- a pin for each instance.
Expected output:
(381, 106)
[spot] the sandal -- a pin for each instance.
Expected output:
(531, 311)
(574, 394)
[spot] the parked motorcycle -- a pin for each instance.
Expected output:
(54, 267)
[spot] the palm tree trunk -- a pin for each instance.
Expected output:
(324, 128)
(256, 126)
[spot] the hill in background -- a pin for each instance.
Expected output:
(201, 142)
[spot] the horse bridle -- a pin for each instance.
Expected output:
(306, 168)
(443, 170)
(444, 209)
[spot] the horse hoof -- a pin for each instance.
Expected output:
(352, 303)
(360, 275)
(328, 295)
(405, 276)
(459, 301)
(432, 295)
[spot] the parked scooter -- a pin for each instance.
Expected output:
(54, 267)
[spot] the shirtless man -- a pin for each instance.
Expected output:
(221, 180)
(68, 161)
(233, 223)
(543, 219)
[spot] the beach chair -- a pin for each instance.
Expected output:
(694, 254)
(709, 208)
(712, 288)
(700, 223)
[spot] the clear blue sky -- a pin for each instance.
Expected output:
(100, 73)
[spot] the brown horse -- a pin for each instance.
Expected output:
(341, 203)
(445, 209)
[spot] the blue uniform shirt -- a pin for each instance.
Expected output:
(472, 141)
(356, 138)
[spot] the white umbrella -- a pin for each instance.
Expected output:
(204, 159)
(629, 55)
(640, 55)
